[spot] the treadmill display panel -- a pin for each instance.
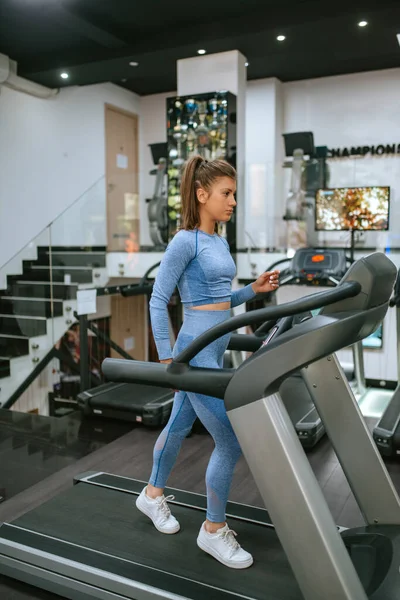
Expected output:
(320, 261)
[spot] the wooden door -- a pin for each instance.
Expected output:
(129, 326)
(122, 180)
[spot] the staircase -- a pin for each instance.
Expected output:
(28, 326)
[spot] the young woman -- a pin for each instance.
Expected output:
(198, 261)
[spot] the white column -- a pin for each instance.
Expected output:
(264, 157)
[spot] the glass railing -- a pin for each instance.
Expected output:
(38, 291)
(39, 326)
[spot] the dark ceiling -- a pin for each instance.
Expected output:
(94, 40)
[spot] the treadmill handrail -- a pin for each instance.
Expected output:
(277, 263)
(145, 277)
(309, 303)
(265, 328)
(245, 342)
(144, 287)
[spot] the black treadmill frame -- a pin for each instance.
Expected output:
(153, 412)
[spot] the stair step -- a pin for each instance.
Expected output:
(60, 291)
(23, 326)
(5, 369)
(13, 346)
(32, 307)
(73, 259)
(42, 274)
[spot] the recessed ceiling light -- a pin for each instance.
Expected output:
(281, 38)
(64, 75)
(201, 51)
(363, 23)
(133, 64)
(246, 64)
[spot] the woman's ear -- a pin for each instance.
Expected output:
(201, 195)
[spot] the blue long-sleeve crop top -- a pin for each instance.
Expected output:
(202, 267)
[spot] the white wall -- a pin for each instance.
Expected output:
(52, 152)
(346, 109)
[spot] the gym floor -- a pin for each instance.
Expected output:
(131, 455)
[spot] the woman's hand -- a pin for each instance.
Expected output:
(267, 282)
(168, 361)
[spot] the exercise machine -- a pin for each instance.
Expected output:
(148, 405)
(377, 404)
(325, 268)
(294, 393)
(89, 542)
(310, 268)
(387, 431)
(157, 210)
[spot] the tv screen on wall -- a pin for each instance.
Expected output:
(356, 208)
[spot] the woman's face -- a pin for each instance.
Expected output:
(219, 202)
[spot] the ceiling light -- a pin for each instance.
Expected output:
(363, 23)
(201, 51)
(281, 38)
(64, 75)
(133, 64)
(246, 64)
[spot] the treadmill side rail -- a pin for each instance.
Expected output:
(298, 509)
(75, 580)
(352, 441)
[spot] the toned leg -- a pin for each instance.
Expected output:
(219, 474)
(169, 443)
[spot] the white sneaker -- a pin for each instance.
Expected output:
(223, 546)
(158, 511)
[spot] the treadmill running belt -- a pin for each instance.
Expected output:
(106, 521)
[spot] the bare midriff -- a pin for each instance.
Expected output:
(218, 306)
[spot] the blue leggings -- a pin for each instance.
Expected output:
(211, 412)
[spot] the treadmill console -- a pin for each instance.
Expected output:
(313, 266)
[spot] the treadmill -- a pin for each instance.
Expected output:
(147, 405)
(387, 431)
(311, 267)
(90, 542)
(293, 390)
